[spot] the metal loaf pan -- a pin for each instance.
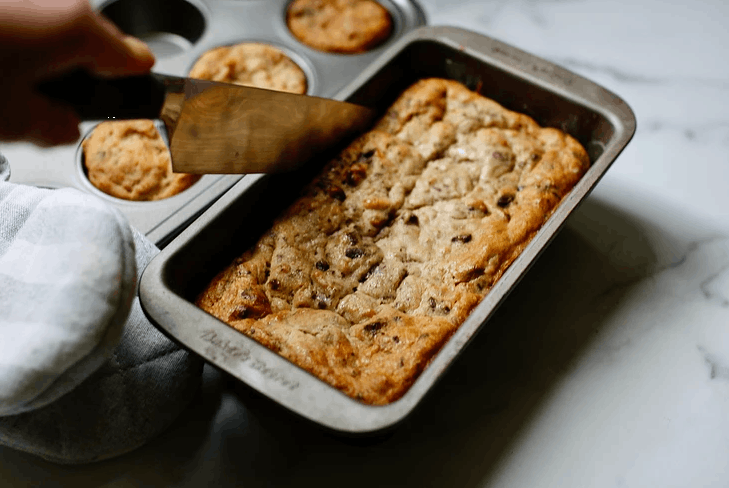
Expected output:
(602, 122)
(179, 32)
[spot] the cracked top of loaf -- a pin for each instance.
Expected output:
(366, 275)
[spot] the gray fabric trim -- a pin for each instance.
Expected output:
(69, 277)
(4, 168)
(134, 396)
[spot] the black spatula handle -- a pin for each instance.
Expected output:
(136, 97)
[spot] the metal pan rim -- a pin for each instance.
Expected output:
(327, 406)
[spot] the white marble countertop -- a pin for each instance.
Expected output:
(609, 364)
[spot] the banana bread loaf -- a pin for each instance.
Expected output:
(388, 250)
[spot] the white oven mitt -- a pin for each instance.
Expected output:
(83, 374)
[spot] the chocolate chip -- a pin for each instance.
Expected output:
(369, 272)
(355, 174)
(274, 284)
(354, 253)
(255, 305)
(322, 265)
(374, 327)
(352, 238)
(396, 339)
(478, 206)
(320, 299)
(412, 220)
(464, 238)
(505, 200)
(432, 302)
(336, 192)
(473, 273)
(239, 312)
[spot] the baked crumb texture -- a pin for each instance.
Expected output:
(365, 277)
(339, 26)
(251, 64)
(128, 159)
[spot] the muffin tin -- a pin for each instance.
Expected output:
(179, 32)
(553, 96)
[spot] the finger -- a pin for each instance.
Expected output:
(112, 53)
(96, 44)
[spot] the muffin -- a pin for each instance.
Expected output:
(386, 253)
(128, 159)
(251, 64)
(339, 26)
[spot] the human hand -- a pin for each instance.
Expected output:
(42, 39)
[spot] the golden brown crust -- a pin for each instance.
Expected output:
(251, 64)
(129, 160)
(339, 26)
(388, 250)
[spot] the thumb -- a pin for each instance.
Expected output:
(109, 52)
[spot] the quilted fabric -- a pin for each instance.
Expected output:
(68, 277)
(84, 376)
